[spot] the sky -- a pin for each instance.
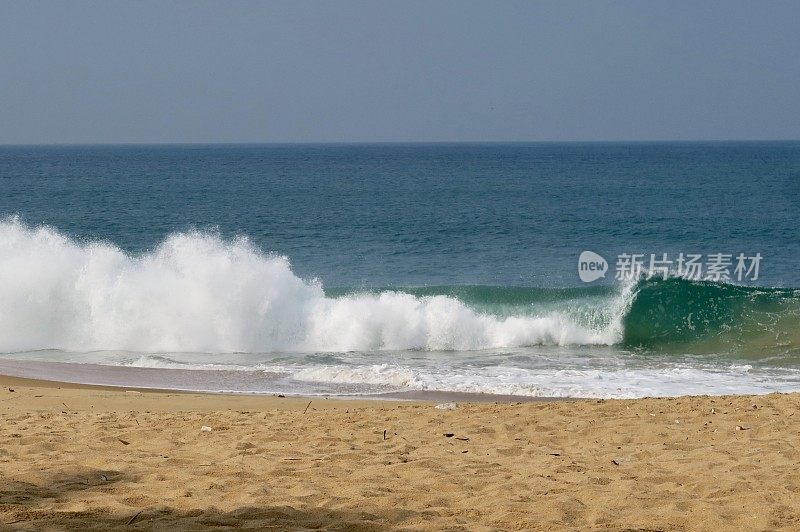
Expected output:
(404, 71)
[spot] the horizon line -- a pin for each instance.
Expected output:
(392, 142)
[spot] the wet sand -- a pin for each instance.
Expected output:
(100, 457)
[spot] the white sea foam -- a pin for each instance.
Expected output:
(380, 374)
(620, 383)
(199, 293)
(564, 379)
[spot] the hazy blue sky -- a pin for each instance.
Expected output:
(84, 72)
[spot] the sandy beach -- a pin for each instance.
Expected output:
(98, 458)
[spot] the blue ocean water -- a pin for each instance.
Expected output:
(371, 268)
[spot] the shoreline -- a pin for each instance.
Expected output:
(389, 397)
(42, 394)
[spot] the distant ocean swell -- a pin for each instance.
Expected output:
(199, 293)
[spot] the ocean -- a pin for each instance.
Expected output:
(404, 269)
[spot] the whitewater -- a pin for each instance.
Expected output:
(196, 292)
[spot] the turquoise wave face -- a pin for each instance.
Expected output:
(707, 317)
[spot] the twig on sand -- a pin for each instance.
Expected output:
(306, 410)
(132, 519)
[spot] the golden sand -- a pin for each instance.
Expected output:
(73, 456)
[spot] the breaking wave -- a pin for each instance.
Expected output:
(197, 292)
